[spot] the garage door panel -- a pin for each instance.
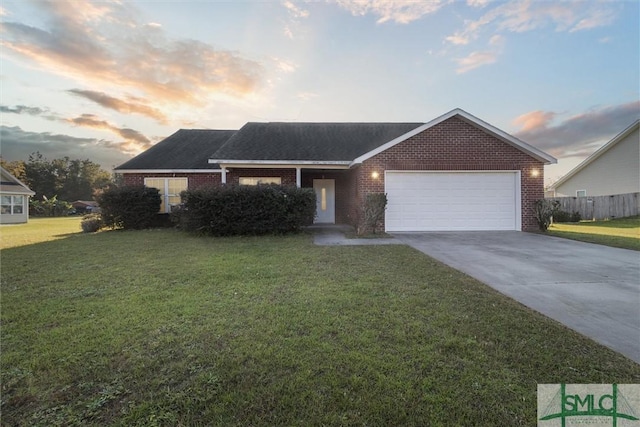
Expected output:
(439, 201)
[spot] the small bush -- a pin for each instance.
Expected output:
(544, 211)
(91, 223)
(373, 211)
(130, 207)
(564, 216)
(246, 210)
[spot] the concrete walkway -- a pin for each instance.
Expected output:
(592, 289)
(334, 235)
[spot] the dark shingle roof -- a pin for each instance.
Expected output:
(185, 149)
(309, 141)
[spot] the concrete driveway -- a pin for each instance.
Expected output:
(592, 289)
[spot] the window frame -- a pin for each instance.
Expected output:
(13, 204)
(257, 180)
(581, 191)
(165, 206)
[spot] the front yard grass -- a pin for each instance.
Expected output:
(620, 233)
(159, 327)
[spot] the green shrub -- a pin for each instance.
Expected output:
(49, 207)
(130, 207)
(544, 211)
(564, 216)
(246, 210)
(91, 223)
(373, 212)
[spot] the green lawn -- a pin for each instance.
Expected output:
(620, 233)
(158, 327)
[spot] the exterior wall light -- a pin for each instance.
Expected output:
(535, 173)
(375, 175)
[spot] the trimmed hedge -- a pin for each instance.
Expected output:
(130, 207)
(246, 210)
(564, 216)
(373, 211)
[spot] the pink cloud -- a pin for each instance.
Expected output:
(534, 120)
(130, 106)
(103, 44)
(398, 11)
(475, 60)
(578, 135)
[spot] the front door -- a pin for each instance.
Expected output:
(325, 201)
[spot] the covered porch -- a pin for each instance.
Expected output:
(334, 184)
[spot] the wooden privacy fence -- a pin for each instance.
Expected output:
(601, 207)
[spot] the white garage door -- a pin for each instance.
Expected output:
(450, 201)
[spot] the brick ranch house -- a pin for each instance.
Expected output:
(455, 172)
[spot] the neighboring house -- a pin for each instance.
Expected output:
(612, 169)
(85, 206)
(14, 195)
(455, 172)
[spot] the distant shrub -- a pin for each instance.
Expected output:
(564, 216)
(49, 207)
(130, 207)
(544, 211)
(373, 212)
(246, 210)
(91, 223)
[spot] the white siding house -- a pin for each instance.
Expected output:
(14, 199)
(613, 169)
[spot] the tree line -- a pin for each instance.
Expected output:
(65, 179)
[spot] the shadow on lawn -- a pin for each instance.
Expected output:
(629, 222)
(613, 241)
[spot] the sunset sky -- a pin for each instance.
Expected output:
(105, 80)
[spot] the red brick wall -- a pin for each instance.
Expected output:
(455, 145)
(195, 180)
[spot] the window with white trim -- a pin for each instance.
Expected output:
(581, 193)
(170, 189)
(260, 180)
(12, 205)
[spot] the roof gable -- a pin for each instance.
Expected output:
(11, 184)
(303, 142)
(187, 149)
(472, 120)
(597, 154)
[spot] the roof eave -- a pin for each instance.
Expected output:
(17, 181)
(308, 164)
(19, 192)
(545, 158)
(167, 170)
(599, 152)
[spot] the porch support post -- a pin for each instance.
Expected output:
(298, 177)
(223, 177)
